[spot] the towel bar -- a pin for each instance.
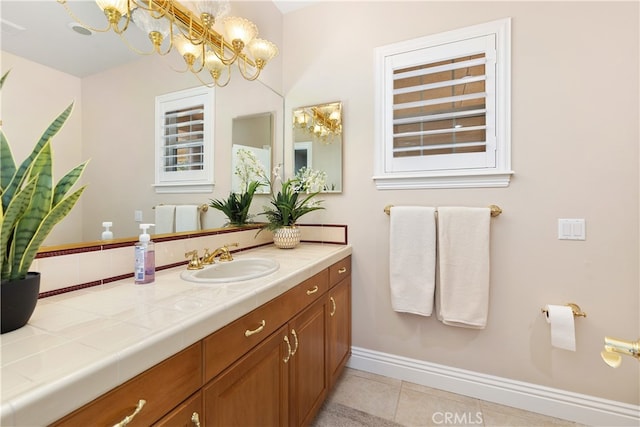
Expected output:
(201, 208)
(495, 210)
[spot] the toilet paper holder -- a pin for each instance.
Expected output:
(575, 308)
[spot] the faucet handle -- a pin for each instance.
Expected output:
(207, 258)
(194, 262)
(226, 255)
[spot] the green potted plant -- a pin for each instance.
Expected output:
(295, 199)
(31, 206)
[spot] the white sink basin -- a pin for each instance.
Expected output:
(232, 271)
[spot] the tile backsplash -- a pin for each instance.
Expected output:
(67, 270)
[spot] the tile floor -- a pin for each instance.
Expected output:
(410, 404)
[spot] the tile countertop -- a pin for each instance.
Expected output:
(81, 344)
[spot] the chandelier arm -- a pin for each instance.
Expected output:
(79, 21)
(133, 48)
(209, 85)
(245, 73)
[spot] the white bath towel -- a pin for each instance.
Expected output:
(412, 259)
(462, 294)
(165, 219)
(187, 218)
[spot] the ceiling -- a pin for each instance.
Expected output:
(40, 31)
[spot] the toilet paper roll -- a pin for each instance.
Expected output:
(563, 332)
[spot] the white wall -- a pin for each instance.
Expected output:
(575, 121)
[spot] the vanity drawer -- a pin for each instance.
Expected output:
(339, 271)
(163, 387)
(228, 344)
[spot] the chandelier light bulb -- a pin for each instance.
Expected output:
(240, 31)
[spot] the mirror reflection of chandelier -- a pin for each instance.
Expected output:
(190, 29)
(321, 121)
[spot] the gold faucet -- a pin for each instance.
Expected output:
(194, 263)
(223, 252)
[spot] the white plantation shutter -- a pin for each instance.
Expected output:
(184, 141)
(442, 108)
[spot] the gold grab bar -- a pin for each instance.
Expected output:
(495, 210)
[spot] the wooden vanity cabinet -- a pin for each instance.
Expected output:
(272, 367)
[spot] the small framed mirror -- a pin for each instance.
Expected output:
(252, 146)
(317, 142)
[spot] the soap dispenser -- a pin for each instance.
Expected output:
(145, 267)
(107, 234)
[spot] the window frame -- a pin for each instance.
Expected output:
(191, 181)
(388, 176)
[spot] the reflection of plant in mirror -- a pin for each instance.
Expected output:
(311, 180)
(287, 206)
(252, 176)
(248, 169)
(32, 202)
(236, 206)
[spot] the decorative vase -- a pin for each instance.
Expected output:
(286, 237)
(19, 298)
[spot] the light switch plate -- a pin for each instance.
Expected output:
(571, 229)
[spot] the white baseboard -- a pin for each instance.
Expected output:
(580, 408)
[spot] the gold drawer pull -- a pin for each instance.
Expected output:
(312, 290)
(288, 356)
(248, 332)
(342, 270)
(130, 418)
(195, 419)
(295, 337)
(333, 306)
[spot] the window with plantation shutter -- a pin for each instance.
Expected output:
(443, 110)
(184, 141)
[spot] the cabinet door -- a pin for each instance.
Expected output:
(339, 341)
(308, 374)
(254, 390)
(187, 414)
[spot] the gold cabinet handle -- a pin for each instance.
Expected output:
(130, 418)
(312, 290)
(295, 337)
(333, 306)
(342, 270)
(249, 332)
(195, 419)
(288, 356)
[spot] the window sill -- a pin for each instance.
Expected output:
(476, 179)
(183, 188)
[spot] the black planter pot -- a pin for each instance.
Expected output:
(19, 298)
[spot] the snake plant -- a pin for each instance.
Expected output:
(31, 204)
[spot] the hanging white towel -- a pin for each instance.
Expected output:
(412, 259)
(187, 218)
(462, 294)
(165, 219)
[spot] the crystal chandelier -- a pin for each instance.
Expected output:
(323, 122)
(171, 24)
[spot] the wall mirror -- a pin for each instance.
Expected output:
(251, 150)
(317, 142)
(114, 118)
